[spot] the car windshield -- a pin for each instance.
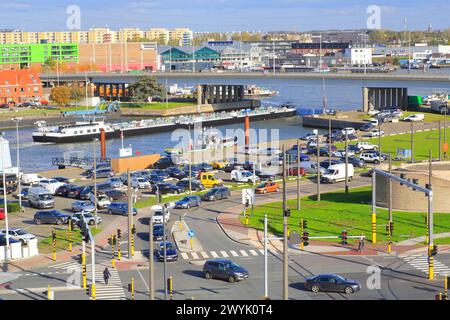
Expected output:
(339, 278)
(169, 246)
(232, 266)
(20, 232)
(45, 197)
(158, 228)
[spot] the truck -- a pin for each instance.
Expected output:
(336, 173)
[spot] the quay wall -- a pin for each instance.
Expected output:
(322, 122)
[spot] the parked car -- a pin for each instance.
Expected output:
(355, 161)
(120, 208)
(370, 157)
(2, 214)
(188, 202)
(101, 173)
(366, 127)
(89, 218)
(3, 240)
(140, 183)
(348, 131)
(103, 200)
(171, 251)
(265, 175)
(163, 163)
(384, 156)
(19, 235)
(24, 193)
(269, 152)
(158, 232)
(331, 283)
(62, 179)
(51, 217)
(293, 171)
(115, 182)
(310, 167)
(308, 136)
(243, 176)
(31, 178)
(267, 187)
(64, 190)
(40, 198)
(364, 146)
(85, 193)
(415, 117)
(195, 185)
(219, 164)
(176, 172)
(225, 270)
(341, 153)
(163, 174)
(326, 163)
(336, 173)
(83, 206)
(50, 184)
(375, 133)
(204, 167)
(323, 152)
(114, 195)
(167, 188)
(74, 191)
(218, 193)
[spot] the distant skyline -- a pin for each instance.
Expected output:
(224, 15)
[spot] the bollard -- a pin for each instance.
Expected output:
(93, 292)
(132, 288)
(288, 233)
(181, 224)
(49, 294)
(191, 242)
(70, 235)
(54, 244)
(113, 263)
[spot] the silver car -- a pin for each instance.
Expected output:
(19, 234)
(85, 206)
(89, 218)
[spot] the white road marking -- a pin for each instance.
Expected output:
(195, 255)
(244, 254)
(234, 253)
(253, 252)
(224, 254)
(204, 255)
(185, 256)
(214, 254)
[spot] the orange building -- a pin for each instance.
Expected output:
(18, 86)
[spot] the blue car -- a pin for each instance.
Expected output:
(120, 208)
(171, 252)
(158, 232)
(188, 202)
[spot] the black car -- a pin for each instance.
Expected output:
(175, 172)
(327, 163)
(217, 194)
(75, 191)
(195, 184)
(355, 161)
(158, 232)
(171, 251)
(163, 163)
(265, 176)
(114, 194)
(51, 217)
(62, 179)
(160, 173)
(231, 166)
(225, 270)
(165, 188)
(313, 151)
(354, 148)
(333, 283)
(63, 191)
(85, 193)
(204, 167)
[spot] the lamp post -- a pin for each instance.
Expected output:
(95, 181)
(17, 120)
(6, 205)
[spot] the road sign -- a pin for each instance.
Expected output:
(404, 153)
(445, 147)
(248, 196)
(295, 238)
(191, 233)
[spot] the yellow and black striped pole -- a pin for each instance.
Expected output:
(119, 249)
(430, 262)
(288, 233)
(84, 271)
(302, 229)
(389, 237)
(170, 287)
(113, 251)
(70, 235)
(93, 292)
(133, 231)
(426, 223)
(54, 244)
(132, 288)
(49, 293)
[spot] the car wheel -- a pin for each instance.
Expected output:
(208, 275)
(91, 223)
(376, 162)
(37, 221)
(231, 279)
(59, 222)
(176, 192)
(348, 290)
(315, 288)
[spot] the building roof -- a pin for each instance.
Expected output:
(23, 77)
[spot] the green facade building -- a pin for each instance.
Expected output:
(26, 54)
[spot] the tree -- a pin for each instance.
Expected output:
(76, 93)
(146, 87)
(61, 95)
(49, 65)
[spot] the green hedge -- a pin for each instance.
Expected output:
(12, 207)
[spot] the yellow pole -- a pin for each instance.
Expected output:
(93, 292)
(171, 287)
(70, 236)
(302, 246)
(83, 264)
(132, 243)
(446, 287)
(132, 288)
(191, 242)
(374, 228)
(49, 297)
(113, 251)
(119, 251)
(288, 232)
(389, 238)
(431, 263)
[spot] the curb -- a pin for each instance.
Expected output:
(228, 236)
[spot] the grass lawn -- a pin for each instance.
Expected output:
(423, 142)
(445, 240)
(338, 211)
(12, 207)
(46, 245)
(157, 105)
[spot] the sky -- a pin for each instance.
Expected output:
(223, 15)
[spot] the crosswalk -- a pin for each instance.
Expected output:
(420, 262)
(223, 254)
(113, 291)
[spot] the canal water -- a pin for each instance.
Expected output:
(303, 93)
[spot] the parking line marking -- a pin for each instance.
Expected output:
(214, 254)
(185, 256)
(224, 254)
(245, 254)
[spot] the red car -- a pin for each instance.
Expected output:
(2, 214)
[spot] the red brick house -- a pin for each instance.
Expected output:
(18, 86)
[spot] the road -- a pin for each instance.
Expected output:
(399, 278)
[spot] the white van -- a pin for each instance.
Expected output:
(415, 117)
(374, 122)
(40, 198)
(336, 173)
(31, 178)
(243, 176)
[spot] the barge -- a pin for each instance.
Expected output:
(87, 130)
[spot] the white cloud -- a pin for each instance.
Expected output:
(15, 6)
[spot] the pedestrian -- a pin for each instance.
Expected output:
(359, 245)
(362, 243)
(106, 275)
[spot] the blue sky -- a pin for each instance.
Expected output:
(223, 15)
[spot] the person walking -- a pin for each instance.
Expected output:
(106, 275)
(362, 243)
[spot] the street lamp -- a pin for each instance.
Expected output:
(17, 120)
(95, 180)
(5, 204)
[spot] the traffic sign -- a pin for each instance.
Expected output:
(295, 239)
(445, 147)
(191, 233)
(248, 196)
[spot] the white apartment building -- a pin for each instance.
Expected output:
(359, 55)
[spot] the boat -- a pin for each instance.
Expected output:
(87, 130)
(254, 91)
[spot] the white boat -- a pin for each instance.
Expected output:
(255, 91)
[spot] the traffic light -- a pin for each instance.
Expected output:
(301, 224)
(133, 229)
(287, 212)
(85, 235)
(434, 250)
(53, 235)
(305, 238)
(390, 227)
(344, 237)
(247, 203)
(130, 288)
(305, 224)
(119, 233)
